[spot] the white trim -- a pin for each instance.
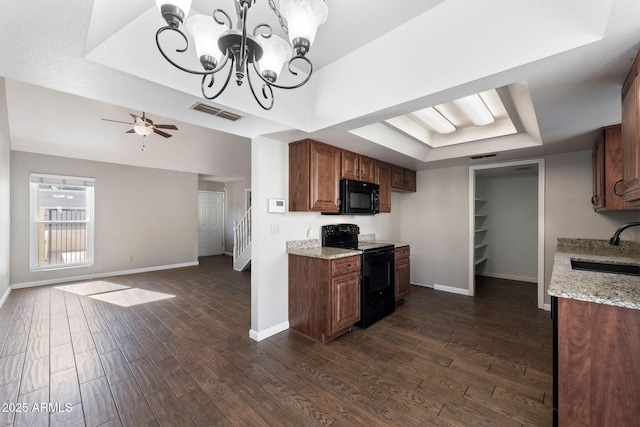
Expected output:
(546, 307)
(260, 335)
(5, 296)
(451, 289)
(101, 275)
(541, 220)
(510, 277)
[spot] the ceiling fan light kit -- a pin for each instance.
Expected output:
(218, 42)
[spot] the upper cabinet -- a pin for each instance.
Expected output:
(630, 134)
(403, 179)
(355, 166)
(314, 176)
(608, 182)
(383, 179)
(315, 170)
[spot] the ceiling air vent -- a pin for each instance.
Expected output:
(199, 106)
(482, 156)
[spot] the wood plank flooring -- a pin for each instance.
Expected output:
(440, 359)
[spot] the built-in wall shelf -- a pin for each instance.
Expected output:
(480, 228)
(480, 260)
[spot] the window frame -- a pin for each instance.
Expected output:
(35, 180)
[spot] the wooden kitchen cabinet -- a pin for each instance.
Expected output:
(608, 171)
(630, 135)
(403, 179)
(314, 177)
(383, 179)
(357, 167)
(598, 363)
(402, 272)
(324, 295)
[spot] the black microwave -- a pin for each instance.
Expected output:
(359, 197)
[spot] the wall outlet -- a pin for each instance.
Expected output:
(130, 257)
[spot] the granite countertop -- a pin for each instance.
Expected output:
(603, 288)
(313, 248)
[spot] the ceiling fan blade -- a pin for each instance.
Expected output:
(136, 118)
(174, 127)
(130, 131)
(117, 121)
(159, 132)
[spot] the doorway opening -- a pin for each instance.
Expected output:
(506, 222)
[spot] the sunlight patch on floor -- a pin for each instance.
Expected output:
(91, 288)
(129, 297)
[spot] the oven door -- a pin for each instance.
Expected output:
(378, 271)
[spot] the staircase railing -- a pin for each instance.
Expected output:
(241, 235)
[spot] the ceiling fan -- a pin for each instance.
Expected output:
(144, 126)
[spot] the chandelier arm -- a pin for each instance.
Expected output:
(302, 83)
(219, 21)
(266, 86)
(186, 40)
(203, 85)
(266, 34)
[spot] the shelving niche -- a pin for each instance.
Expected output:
(480, 234)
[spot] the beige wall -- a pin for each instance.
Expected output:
(149, 215)
(435, 219)
(5, 207)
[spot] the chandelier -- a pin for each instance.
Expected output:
(217, 43)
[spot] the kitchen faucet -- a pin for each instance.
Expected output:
(615, 240)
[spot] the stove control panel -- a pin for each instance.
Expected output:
(340, 230)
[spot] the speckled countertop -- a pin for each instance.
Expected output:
(604, 288)
(313, 247)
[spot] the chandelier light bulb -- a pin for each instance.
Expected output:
(174, 11)
(205, 32)
(276, 52)
(303, 19)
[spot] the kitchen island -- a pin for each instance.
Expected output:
(596, 335)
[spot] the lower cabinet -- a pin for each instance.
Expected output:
(324, 295)
(597, 364)
(402, 272)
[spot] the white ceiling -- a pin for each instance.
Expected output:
(68, 67)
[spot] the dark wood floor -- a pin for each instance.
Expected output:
(440, 359)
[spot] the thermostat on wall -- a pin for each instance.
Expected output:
(276, 205)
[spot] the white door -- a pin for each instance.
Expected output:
(210, 223)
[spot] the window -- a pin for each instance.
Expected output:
(61, 222)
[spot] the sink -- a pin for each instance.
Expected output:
(605, 267)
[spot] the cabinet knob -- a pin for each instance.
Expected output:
(594, 199)
(347, 265)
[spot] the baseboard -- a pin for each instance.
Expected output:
(5, 296)
(509, 277)
(422, 285)
(451, 289)
(260, 335)
(100, 275)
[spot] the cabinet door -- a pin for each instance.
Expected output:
(409, 180)
(350, 165)
(345, 301)
(383, 179)
(367, 169)
(324, 177)
(597, 200)
(397, 178)
(630, 141)
(402, 278)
